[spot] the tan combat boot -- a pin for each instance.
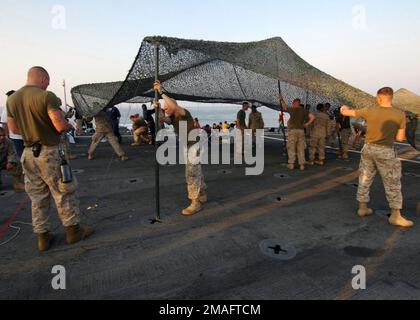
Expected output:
(77, 233)
(398, 220)
(320, 163)
(302, 168)
(124, 158)
(311, 163)
(90, 157)
(44, 241)
(291, 166)
(364, 210)
(203, 197)
(194, 208)
(17, 184)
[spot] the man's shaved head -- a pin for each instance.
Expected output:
(39, 77)
(385, 96)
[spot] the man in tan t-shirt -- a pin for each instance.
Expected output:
(385, 125)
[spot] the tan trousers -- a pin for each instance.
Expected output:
(112, 139)
(43, 182)
(296, 146)
(317, 144)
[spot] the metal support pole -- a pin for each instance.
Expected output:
(157, 166)
(283, 126)
(65, 96)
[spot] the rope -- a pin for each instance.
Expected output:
(13, 226)
(239, 83)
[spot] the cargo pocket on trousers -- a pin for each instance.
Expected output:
(67, 188)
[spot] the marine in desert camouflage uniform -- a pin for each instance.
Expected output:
(196, 185)
(385, 125)
(296, 144)
(35, 113)
(104, 130)
(319, 133)
(346, 135)
(9, 161)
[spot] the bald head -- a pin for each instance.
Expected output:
(39, 77)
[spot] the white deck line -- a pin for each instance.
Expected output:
(352, 151)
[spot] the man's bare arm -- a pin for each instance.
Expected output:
(283, 104)
(312, 118)
(13, 127)
(347, 112)
(59, 122)
(401, 135)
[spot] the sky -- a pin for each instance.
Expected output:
(366, 43)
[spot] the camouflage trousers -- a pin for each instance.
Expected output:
(43, 181)
(383, 160)
(194, 173)
(112, 139)
(346, 137)
(79, 126)
(317, 144)
(296, 146)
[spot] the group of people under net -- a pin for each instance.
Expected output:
(35, 114)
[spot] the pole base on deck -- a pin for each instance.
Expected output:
(155, 221)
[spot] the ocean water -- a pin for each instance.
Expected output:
(206, 113)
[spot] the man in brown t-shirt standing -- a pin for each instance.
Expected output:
(35, 113)
(385, 125)
(296, 144)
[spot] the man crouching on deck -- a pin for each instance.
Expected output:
(385, 124)
(194, 174)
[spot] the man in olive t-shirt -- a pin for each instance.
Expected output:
(296, 126)
(385, 125)
(196, 185)
(241, 126)
(35, 113)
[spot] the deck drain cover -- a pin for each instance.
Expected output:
(134, 181)
(224, 172)
(282, 176)
(355, 185)
(383, 213)
(277, 198)
(5, 194)
(278, 249)
(78, 171)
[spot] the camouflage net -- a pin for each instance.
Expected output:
(221, 72)
(218, 72)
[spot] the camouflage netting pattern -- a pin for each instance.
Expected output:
(220, 72)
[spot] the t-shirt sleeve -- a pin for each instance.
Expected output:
(8, 111)
(362, 113)
(53, 102)
(403, 122)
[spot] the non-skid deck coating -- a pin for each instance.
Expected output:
(216, 254)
